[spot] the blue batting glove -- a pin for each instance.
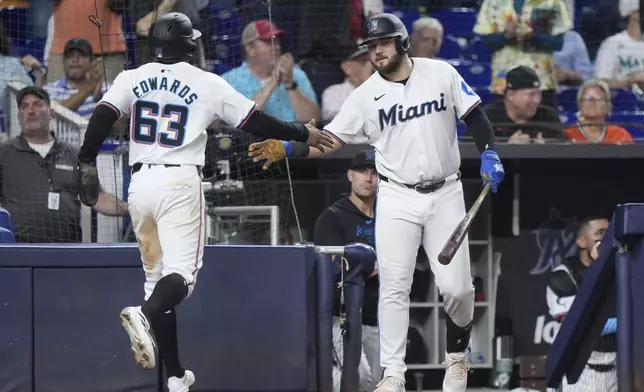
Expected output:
(610, 327)
(491, 169)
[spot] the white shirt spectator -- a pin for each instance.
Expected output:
(619, 56)
(333, 97)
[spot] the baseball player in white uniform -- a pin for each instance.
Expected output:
(171, 103)
(408, 111)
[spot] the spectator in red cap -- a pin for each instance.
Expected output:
(271, 79)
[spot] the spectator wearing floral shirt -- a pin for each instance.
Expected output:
(524, 33)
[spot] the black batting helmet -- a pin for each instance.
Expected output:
(172, 37)
(386, 26)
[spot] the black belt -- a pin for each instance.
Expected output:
(137, 166)
(424, 188)
(601, 368)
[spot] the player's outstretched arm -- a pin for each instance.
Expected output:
(264, 125)
(271, 150)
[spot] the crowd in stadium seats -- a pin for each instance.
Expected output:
(542, 73)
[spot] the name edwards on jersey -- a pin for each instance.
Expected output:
(398, 114)
(160, 83)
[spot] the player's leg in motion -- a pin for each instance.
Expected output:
(167, 209)
(398, 235)
(454, 282)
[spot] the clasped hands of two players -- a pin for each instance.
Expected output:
(272, 150)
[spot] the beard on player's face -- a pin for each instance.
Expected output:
(387, 65)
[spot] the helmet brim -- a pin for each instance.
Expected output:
(196, 34)
(366, 41)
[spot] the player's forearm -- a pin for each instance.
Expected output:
(304, 108)
(479, 126)
(269, 127)
(99, 127)
(302, 150)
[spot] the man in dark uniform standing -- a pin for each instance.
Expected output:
(600, 373)
(349, 220)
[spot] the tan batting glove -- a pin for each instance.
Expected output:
(270, 150)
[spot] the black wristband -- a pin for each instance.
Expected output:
(299, 150)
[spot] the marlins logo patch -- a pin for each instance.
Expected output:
(372, 26)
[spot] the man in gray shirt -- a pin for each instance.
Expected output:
(37, 181)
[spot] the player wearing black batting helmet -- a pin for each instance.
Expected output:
(386, 26)
(173, 38)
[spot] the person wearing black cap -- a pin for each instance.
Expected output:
(349, 220)
(521, 106)
(82, 85)
(357, 68)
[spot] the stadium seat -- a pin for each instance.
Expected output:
(624, 100)
(459, 22)
(486, 95)
(633, 122)
(475, 74)
(477, 51)
(407, 16)
(6, 236)
(567, 99)
(568, 117)
(5, 219)
(451, 49)
(225, 22)
(228, 50)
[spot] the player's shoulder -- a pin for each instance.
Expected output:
(366, 89)
(432, 65)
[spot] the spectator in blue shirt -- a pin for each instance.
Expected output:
(83, 84)
(271, 79)
(573, 62)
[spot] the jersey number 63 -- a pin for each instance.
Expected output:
(153, 124)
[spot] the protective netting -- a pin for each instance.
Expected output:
(82, 46)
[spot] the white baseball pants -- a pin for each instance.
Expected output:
(405, 219)
(167, 208)
(592, 380)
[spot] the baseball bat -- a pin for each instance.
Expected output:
(458, 235)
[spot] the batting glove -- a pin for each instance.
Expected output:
(88, 184)
(491, 169)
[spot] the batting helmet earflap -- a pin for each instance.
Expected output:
(386, 26)
(172, 37)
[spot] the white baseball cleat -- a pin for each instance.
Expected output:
(137, 327)
(390, 384)
(183, 384)
(456, 372)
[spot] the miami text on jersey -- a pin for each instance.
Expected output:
(399, 114)
(161, 83)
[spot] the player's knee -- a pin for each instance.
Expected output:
(457, 292)
(176, 284)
